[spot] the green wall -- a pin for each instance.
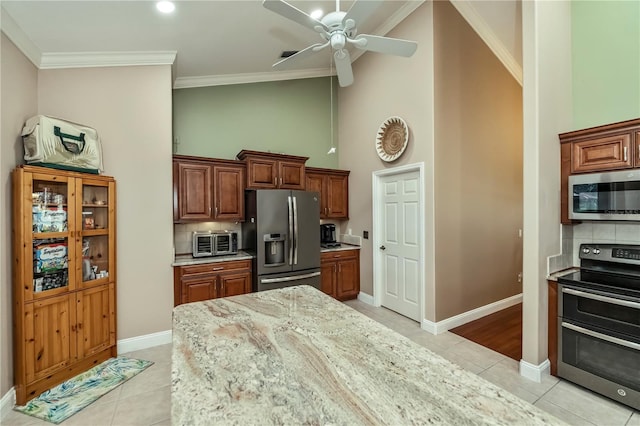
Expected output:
(291, 117)
(606, 61)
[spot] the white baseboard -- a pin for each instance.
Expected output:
(535, 372)
(364, 297)
(7, 403)
(465, 317)
(144, 342)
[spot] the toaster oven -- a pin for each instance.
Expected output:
(214, 243)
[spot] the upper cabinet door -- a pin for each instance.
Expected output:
(228, 193)
(192, 191)
(291, 175)
(605, 153)
(315, 184)
(263, 173)
(338, 196)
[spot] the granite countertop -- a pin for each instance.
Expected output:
(187, 259)
(298, 356)
(343, 246)
(555, 275)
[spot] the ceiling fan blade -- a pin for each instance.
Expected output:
(391, 46)
(343, 67)
(304, 53)
(361, 10)
(283, 8)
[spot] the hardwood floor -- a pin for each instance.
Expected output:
(500, 331)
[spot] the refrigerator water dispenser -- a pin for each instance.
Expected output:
(273, 250)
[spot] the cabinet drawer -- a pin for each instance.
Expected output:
(216, 267)
(337, 255)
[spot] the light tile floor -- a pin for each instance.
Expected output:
(145, 400)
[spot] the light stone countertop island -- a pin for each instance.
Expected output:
(296, 356)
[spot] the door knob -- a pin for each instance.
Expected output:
(383, 248)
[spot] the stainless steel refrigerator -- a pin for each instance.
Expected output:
(282, 231)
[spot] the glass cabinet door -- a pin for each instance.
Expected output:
(96, 213)
(52, 248)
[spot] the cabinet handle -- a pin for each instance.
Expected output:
(218, 268)
(625, 153)
(340, 267)
(280, 181)
(216, 211)
(275, 181)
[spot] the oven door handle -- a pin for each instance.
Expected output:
(600, 298)
(610, 339)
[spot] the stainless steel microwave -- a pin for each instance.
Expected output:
(214, 243)
(605, 196)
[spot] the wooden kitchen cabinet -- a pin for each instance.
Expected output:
(340, 273)
(64, 276)
(266, 170)
(333, 186)
(207, 189)
(610, 147)
(195, 283)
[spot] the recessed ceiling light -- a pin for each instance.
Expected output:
(316, 14)
(165, 6)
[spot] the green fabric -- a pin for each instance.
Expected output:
(66, 399)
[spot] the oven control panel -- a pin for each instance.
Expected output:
(611, 252)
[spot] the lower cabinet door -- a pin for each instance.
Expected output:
(50, 335)
(96, 319)
(235, 284)
(348, 279)
(328, 278)
(199, 289)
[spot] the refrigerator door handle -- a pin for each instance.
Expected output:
(290, 210)
(295, 231)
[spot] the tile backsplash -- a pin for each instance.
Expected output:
(591, 232)
(183, 233)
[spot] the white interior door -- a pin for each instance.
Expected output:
(399, 243)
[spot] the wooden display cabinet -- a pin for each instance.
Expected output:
(340, 273)
(195, 283)
(207, 190)
(333, 186)
(266, 170)
(64, 276)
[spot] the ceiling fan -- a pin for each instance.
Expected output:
(339, 29)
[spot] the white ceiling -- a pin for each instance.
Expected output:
(213, 42)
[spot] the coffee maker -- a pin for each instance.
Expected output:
(328, 235)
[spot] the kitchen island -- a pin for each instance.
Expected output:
(297, 356)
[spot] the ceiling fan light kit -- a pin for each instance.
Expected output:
(339, 29)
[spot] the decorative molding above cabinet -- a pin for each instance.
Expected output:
(609, 147)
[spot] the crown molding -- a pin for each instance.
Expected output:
(106, 59)
(11, 29)
(480, 26)
(221, 80)
(399, 15)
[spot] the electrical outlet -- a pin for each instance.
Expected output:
(519, 277)
(365, 235)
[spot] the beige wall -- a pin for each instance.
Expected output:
(18, 90)
(472, 156)
(131, 109)
(478, 170)
(546, 30)
(385, 86)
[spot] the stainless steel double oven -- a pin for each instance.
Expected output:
(599, 322)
